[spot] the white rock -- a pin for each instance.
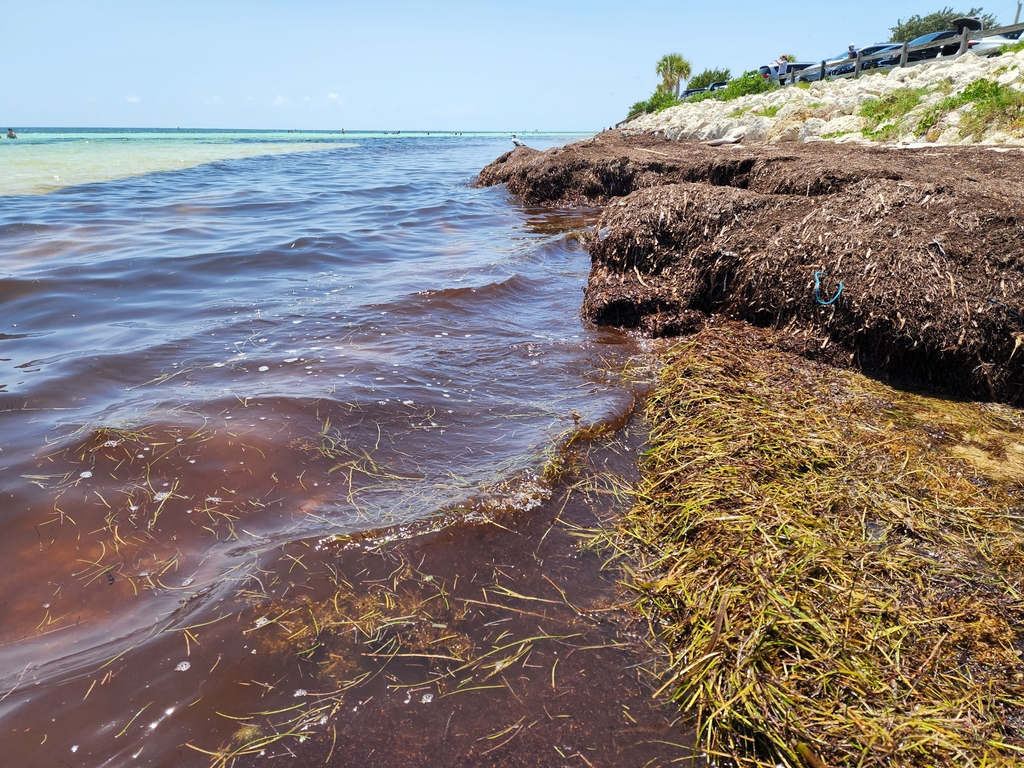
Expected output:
(847, 105)
(843, 124)
(853, 138)
(786, 130)
(759, 128)
(790, 110)
(996, 138)
(1008, 77)
(813, 127)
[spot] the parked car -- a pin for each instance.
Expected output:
(988, 46)
(772, 71)
(848, 66)
(718, 86)
(813, 72)
(691, 92)
(925, 53)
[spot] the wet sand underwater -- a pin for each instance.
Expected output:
(271, 422)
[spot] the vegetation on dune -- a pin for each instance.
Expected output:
(883, 114)
(674, 69)
(918, 25)
(660, 100)
(834, 566)
(745, 85)
(994, 105)
(709, 76)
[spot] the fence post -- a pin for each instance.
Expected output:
(963, 43)
(856, 67)
(903, 54)
(822, 75)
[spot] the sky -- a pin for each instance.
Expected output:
(393, 65)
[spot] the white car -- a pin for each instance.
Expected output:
(986, 46)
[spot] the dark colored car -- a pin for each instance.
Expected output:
(848, 66)
(772, 72)
(691, 92)
(925, 53)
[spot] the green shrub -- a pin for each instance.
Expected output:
(707, 77)
(638, 108)
(767, 112)
(703, 96)
(918, 25)
(749, 83)
(995, 105)
(660, 100)
(889, 108)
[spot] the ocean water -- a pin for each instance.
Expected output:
(217, 344)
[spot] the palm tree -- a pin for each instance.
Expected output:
(674, 69)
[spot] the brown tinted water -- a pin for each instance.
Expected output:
(255, 416)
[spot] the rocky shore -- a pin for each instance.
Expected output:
(903, 262)
(833, 110)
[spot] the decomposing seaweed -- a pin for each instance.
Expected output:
(835, 582)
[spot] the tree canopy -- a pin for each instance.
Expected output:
(709, 76)
(918, 25)
(674, 69)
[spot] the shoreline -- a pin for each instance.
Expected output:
(832, 563)
(926, 246)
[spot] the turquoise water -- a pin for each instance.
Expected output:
(45, 159)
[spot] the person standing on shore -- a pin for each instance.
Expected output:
(782, 67)
(11, 134)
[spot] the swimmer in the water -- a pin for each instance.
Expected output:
(11, 134)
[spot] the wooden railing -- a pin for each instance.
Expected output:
(962, 42)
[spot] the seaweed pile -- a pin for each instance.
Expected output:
(834, 567)
(902, 262)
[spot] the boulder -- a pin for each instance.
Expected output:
(813, 127)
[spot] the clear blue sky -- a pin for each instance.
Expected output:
(393, 64)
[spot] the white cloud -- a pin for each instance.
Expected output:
(212, 100)
(332, 98)
(133, 99)
(280, 101)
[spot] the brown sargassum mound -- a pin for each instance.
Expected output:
(833, 566)
(927, 245)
